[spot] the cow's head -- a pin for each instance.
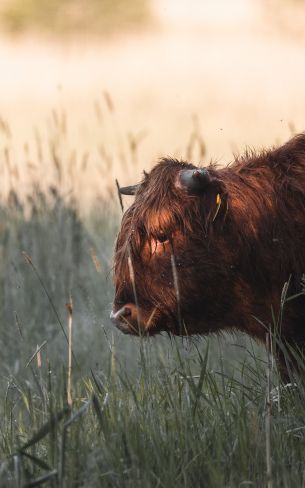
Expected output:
(171, 265)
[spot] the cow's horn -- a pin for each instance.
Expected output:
(195, 180)
(129, 190)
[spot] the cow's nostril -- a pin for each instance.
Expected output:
(127, 311)
(126, 318)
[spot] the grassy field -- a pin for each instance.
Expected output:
(131, 412)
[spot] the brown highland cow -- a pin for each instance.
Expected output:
(202, 250)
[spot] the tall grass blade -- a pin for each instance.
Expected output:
(42, 479)
(46, 428)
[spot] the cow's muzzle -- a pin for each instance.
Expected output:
(127, 319)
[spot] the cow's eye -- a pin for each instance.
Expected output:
(162, 237)
(159, 242)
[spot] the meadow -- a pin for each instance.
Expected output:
(82, 405)
(97, 408)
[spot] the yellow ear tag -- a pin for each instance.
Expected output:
(218, 203)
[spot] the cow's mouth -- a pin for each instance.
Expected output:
(129, 319)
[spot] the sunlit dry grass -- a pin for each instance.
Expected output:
(63, 17)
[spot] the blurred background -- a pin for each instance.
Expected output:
(111, 85)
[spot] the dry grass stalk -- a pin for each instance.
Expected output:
(133, 282)
(176, 285)
(113, 359)
(69, 307)
(196, 148)
(268, 414)
(98, 112)
(109, 101)
(95, 260)
(38, 356)
(36, 353)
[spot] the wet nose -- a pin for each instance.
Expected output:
(127, 311)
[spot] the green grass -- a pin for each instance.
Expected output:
(161, 426)
(145, 413)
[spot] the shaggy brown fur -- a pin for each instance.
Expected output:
(230, 262)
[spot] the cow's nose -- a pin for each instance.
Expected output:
(126, 319)
(127, 311)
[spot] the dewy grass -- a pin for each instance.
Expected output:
(174, 423)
